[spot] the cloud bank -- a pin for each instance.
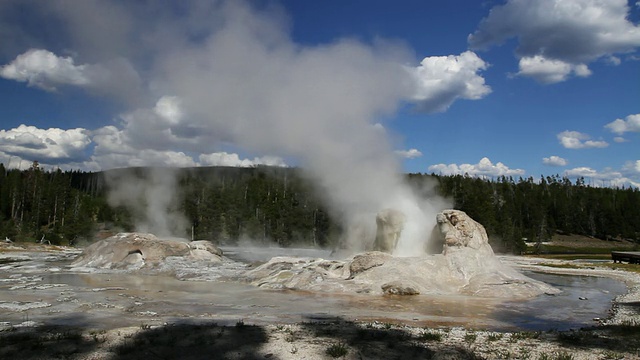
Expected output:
(484, 168)
(52, 146)
(608, 177)
(559, 38)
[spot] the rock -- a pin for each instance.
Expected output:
(389, 223)
(205, 245)
(134, 251)
(460, 230)
(297, 273)
(366, 261)
(399, 288)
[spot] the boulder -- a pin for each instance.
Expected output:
(399, 288)
(135, 251)
(366, 261)
(389, 225)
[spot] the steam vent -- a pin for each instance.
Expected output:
(467, 266)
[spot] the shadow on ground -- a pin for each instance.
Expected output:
(329, 337)
(180, 341)
(369, 342)
(45, 342)
(188, 341)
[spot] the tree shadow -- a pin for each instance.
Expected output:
(384, 341)
(72, 337)
(45, 342)
(194, 341)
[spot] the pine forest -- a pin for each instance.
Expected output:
(280, 206)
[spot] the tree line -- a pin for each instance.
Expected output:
(279, 205)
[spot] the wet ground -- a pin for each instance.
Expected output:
(41, 287)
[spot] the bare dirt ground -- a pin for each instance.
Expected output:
(617, 337)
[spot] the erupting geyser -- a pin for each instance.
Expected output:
(390, 224)
(467, 265)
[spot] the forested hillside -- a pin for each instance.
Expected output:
(278, 205)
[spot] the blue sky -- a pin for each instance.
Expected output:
(489, 88)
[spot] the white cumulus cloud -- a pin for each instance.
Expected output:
(409, 154)
(548, 71)
(441, 80)
(45, 145)
(484, 168)
(114, 149)
(557, 38)
(620, 126)
(554, 161)
(632, 167)
(48, 71)
(578, 140)
(43, 69)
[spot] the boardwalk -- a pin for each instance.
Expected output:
(632, 257)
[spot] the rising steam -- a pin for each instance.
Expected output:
(250, 83)
(150, 195)
(231, 74)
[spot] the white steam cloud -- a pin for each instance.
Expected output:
(227, 73)
(249, 82)
(149, 194)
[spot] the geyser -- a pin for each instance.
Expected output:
(467, 265)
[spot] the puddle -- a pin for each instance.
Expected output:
(583, 299)
(101, 300)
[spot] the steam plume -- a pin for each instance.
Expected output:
(151, 197)
(250, 83)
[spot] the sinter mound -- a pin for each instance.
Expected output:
(467, 265)
(139, 251)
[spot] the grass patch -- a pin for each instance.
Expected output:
(430, 336)
(578, 256)
(470, 337)
(554, 250)
(337, 350)
(627, 328)
(524, 335)
(617, 266)
(562, 266)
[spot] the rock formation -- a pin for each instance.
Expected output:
(466, 265)
(136, 251)
(389, 224)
